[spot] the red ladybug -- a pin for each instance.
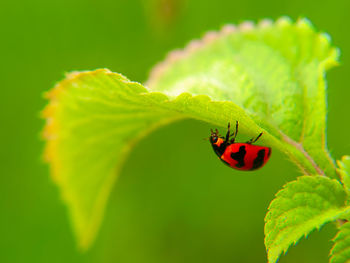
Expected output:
(241, 156)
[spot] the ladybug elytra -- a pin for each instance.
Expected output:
(241, 156)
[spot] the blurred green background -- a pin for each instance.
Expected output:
(182, 206)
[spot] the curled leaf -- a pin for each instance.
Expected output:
(269, 77)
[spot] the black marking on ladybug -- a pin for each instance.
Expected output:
(259, 160)
(239, 156)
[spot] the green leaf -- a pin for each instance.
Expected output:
(269, 77)
(344, 172)
(274, 72)
(340, 252)
(299, 208)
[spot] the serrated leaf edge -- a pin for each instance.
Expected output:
(49, 135)
(337, 238)
(341, 214)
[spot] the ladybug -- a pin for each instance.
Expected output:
(240, 156)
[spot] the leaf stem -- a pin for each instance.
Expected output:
(300, 147)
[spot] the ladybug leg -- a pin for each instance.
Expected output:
(253, 141)
(228, 133)
(234, 134)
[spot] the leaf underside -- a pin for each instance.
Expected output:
(269, 77)
(298, 209)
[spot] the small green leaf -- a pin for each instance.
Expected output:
(299, 208)
(340, 252)
(344, 172)
(269, 77)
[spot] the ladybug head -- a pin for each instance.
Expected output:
(214, 136)
(217, 142)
